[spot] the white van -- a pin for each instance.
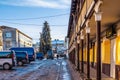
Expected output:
(7, 59)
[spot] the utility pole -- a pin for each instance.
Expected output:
(40, 43)
(56, 44)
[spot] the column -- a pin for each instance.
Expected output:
(82, 64)
(98, 16)
(98, 42)
(88, 50)
(78, 59)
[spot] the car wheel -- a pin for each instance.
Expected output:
(20, 63)
(6, 66)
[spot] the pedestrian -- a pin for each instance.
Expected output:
(57, 56)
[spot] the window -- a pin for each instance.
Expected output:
(8, 35)
(8, 44)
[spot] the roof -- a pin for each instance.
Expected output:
(6, 27)
(72, 12)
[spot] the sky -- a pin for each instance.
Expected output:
(29, 15)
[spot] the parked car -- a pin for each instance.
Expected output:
(39, 55)
(22, 57)
(7, 59)
(30, 52)
(49, 54)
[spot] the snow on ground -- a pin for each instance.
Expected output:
(39, 70)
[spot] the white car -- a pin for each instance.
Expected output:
(7, 59)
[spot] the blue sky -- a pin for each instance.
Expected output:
(21, 9)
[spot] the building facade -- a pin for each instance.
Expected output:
(66, 46)
(12, 37)
(94, 37)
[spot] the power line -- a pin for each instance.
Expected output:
(28, 24)
(37, 17)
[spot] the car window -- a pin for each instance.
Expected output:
(3, 54)
(39, 54)
(20, 54)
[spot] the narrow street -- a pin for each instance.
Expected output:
(56, 69)
(39, 33)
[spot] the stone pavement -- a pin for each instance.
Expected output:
(76, 75)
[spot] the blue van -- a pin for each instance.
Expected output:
(39, 55)
(30, 51)
(22, 57)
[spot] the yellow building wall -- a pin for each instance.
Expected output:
(118, 50)
(84, 55)
(102, 52)
(105, 51)
(95, 47)
(91, 55)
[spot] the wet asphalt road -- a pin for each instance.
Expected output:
(38, 70)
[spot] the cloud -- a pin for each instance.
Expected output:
(57, 4)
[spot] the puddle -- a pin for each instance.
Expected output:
(66, 75)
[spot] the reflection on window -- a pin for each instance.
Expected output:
(8, 35)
